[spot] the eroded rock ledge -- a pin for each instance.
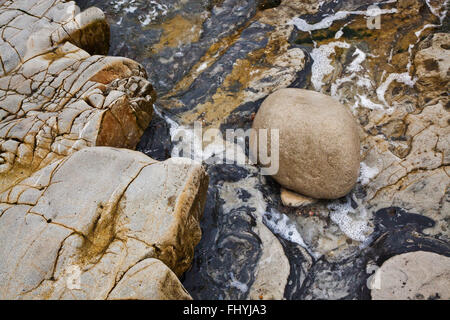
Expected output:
(100, 212)
(55, 98)
(104, 218)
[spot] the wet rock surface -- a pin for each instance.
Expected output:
(393, 81)
(79, 221)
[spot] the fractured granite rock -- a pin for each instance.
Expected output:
(91, 225)
(32, 27)
(56, 98)
(79, 221)
(135, 285)
(432, 65)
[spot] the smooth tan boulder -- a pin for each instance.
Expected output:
(415, 275)
(318, 142)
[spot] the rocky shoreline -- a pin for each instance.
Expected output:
(80, 220)
(124, 221)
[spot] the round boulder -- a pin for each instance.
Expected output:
(318, 142)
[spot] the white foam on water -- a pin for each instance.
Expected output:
(130, 9)
(280, 224)
(189, 140)
(284, 227)
(354, 107)
(202, 67)
(365, 102)
(322, 63)
(354, 223)
(364, 82)
(409, 65)
(338, 34)
(302, 25)
(355, 65)
(153, 10)
(340, 81)
(237, 284)
(435, 11)
(147, 20)
(418, 33)
(157, 9)
(367, 173)
(399, 77)
(356, 76)
(117, 5)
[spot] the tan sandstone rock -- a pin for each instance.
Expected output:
(55, 98)
(86, 227)
(414, 275)
(319, 142)
(295, 200)
(100, 223)
(135, 285)
(432, 65)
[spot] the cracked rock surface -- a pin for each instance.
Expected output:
(55, 97)
(75, 215)
(80, 218)
(395, 82)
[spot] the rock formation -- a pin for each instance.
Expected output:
(295, 200)
(105, 213)
(395, 82)
(79, 221)
(220, 74)
(418, 275)
(318, 142)
(55, 98)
